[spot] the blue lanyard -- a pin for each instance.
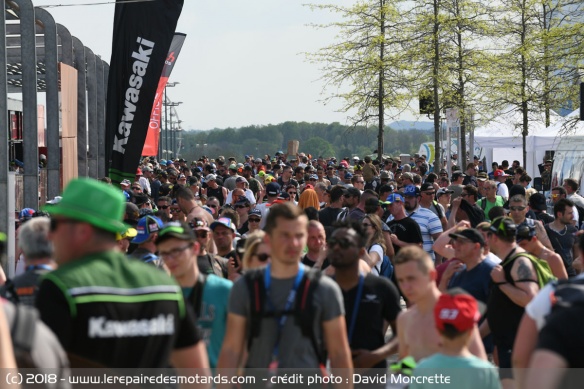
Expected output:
(39, 267)
(356, 306)
(289, 301)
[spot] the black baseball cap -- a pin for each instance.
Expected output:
(469, 234)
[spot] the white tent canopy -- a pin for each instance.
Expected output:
(501, 138)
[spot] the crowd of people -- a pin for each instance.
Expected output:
(294, 262)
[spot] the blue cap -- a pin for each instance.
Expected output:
(411, 190)
(146, 226)
(348, 175)
(392, 198)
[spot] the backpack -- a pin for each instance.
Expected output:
(567, 293)
(542, 268)
(303, 310)
(580, 215)
(386, 269)
(22, 331)
(438, 209)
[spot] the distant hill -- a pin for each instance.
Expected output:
(400, 125)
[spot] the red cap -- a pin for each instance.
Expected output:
(459, 310)
(500, 173)
(139, 172)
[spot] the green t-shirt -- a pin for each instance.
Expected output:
(499, 202)
(444, 371)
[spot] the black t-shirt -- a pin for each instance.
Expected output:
(217, 192)
(24, 288)
(503, 314)
(544, 217)
(406, 230)
(563, 244)
(562, 334)
(379, 303)
(310, 263)
(328, 215)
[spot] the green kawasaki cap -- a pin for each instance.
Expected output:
(93, 202)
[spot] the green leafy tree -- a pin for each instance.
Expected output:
(363, 68)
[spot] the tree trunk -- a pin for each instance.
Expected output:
(436, 63)
(381, 90)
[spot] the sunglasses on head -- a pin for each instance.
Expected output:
(263, 257)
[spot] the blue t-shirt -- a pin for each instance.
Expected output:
(461, 372)
(212, 320)
(477, 282)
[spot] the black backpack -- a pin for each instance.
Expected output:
(303, 309)
(567, 293)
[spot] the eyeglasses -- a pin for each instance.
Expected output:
(555, 195)
(202, 234)
(263, 257)
(163, 206)
(344, 243)
(56, 222)
(254, 220)
(517, 208)
(172, 253)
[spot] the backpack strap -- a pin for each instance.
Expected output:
(196, 296)
(257, 300)
(10, 293)
(438, 209)
(304, 311)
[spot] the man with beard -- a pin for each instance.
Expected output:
(430, 225)
(561, 233)
(371, 302)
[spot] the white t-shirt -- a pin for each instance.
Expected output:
(376, 248)
(248, 194)
(540, 306)
(493, 258)
(503, 191)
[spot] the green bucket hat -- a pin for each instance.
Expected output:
(93, 202)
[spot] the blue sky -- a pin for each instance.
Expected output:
(242, 61)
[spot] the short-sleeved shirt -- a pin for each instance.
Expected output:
(499, 202)
(429, 225)
(295, 350)
(116, 312)
(379, 302)
(212, 317)
(464, 372)
(406, 230)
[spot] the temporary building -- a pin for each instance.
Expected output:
(501, 139)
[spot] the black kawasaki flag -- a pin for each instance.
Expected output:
(143, 32)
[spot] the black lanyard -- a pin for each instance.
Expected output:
(356, 306)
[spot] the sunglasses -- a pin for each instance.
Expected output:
(241, 206)
(517, 208)
(212, 205)
(254, 220)
(202, 234)
(263, 257)
(344, 243)
(292, 193)
(136, 188)
(175, 210)
(56, 222)
(163, 206)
